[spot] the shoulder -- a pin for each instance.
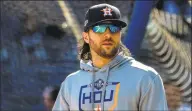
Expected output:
(73, 76)
(139, 72)
(149, 76)
(143, 69)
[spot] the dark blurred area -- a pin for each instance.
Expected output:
(49, 96)
(39, 48)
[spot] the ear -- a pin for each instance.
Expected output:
(85, 36)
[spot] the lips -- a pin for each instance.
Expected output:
(107, 43)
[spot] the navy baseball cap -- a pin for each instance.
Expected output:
(102, 13)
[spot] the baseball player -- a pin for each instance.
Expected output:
(109, 78)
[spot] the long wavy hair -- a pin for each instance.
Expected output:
(85, 54)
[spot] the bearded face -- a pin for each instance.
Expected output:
(105, 51)
(106, 44)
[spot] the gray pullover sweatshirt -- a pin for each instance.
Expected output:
(123, 84)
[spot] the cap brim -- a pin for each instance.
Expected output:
(111, 21)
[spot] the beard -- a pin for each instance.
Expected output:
(102, 51)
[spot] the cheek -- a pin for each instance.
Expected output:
(91, 41)
(94, 40)
(117, 37)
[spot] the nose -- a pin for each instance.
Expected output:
(107, 34)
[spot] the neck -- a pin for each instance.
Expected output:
(99, 61)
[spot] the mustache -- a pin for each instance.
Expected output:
(108, 40)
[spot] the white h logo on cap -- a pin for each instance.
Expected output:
(107, 11)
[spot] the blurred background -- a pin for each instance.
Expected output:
(40, 42)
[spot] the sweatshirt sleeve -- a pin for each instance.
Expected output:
(153, 96)
(61, 103)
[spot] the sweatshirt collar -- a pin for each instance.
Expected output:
(87, 66)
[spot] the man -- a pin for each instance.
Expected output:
(49, 96)
(109, 78)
